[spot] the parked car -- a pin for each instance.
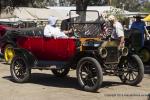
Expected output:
(8, 39)
(133, 42)
(89, 55)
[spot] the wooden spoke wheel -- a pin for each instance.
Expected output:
(89, 74)
(132, 70)
(20, 70)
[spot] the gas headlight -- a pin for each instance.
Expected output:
(124, 51)
(103, 52)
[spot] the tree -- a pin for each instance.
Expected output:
(9, 5)
(14, 3)
(82, 4)
(146, 7)
(130, 5)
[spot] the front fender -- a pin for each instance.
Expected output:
(28, 56)
(147, 44)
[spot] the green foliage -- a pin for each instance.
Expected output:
(119, 13)
(130, 5)
(146, 7)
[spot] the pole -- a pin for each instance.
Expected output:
(110, 2)
(0, 8)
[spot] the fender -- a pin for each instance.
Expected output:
(146, 47)
(86, 53)
(147, 44)
(5, 41)
(28, 56)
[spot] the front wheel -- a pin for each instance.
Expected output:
(132, 70)
(20, 70)
(89, 74)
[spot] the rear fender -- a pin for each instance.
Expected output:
(28, 56)
(4, 45)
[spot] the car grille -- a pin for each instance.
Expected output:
(112, 55)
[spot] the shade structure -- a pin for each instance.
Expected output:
(10, 20)
(44, 14)
(5, 15)
(61, 14)
(147, 18)
(32, 14)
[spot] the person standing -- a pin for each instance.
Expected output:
(139, 25)
(117, 31)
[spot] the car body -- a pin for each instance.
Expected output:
(134, 39)
(144, 53)
(48, 48)
(3, 30)
(8, 38)
(91, 57)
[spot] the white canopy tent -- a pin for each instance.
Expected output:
(22, 14)
(10, 20)
(34, 14)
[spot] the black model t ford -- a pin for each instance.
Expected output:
(88, 54)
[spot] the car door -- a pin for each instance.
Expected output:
(55, 49)
(36, 45)
(31, 41)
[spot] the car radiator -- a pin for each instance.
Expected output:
(112, 55)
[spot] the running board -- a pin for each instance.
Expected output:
(50, 65)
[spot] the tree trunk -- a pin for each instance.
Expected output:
(81, 5)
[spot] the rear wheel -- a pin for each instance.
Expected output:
(8, 53)
(145, 55)
(61, 72)
(20, 70)
(89, 74)
(132, 70)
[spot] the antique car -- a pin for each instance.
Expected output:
(88, 54)
(6, 40)
(8, 37)
(145, 51)
(133, 42)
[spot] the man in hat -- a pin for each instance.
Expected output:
(51, 30)
(117, 31)
(139, 25)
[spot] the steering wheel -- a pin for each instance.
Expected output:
(76, 32)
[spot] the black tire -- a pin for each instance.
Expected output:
(20, 70)
(93, 74)
(132, 68)
(61, 72)
(145, 55)
(8, 58)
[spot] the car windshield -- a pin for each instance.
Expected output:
(87, 24)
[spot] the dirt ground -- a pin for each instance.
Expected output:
(45, 86)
